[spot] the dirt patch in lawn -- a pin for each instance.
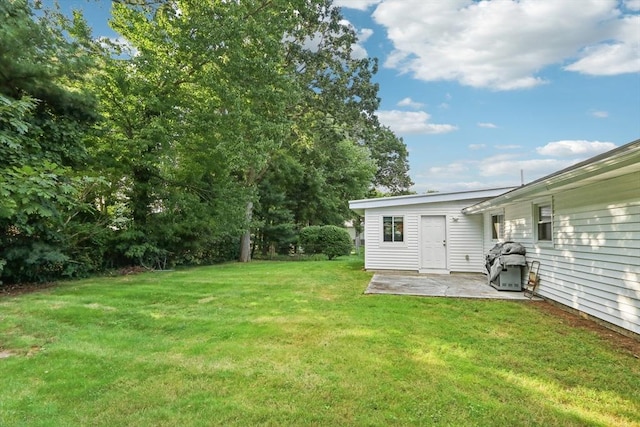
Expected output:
(126, 271)
(575, 320)
(5, 354)
(23, 288)
(27, 288)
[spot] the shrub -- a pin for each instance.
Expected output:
(335, 240)
(330, 240)
(310, 240)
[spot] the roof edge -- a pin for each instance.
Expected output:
(611, 159)
(360, 205)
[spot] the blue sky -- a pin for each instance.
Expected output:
(480, 90)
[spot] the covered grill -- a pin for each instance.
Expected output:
(504, 264)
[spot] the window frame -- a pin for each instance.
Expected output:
(497, 235)
(397, 222)
(540, 220)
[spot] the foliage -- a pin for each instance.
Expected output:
(45, 118)
(274, 222)
(208, 127)
(330, 240)
(262, 96)
(391, 157)
(297, 343)
(310, 240)
(336, 241)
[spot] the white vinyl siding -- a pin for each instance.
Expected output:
(380, 255)
(517, 226)
(593, 263)
(465, 247)
(465, 252)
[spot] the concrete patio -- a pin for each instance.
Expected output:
(461, 285)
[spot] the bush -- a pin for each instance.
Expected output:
(336, 241)
(329, 240)
(310, 240)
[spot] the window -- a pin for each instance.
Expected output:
(497, 226)
(393, 229)
(543, 222)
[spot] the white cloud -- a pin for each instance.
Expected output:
(412, 123)
(633, 5)
(452, 169)
(504, 44)
(619, 56)
(125, 46)
(511, 167)
(408, 102)
(600, 114)
(358, 51)
(575, 148)
(314, 41)
(508, 147)
(477, 146)
(506, 165)
(503, 170)
(311, 43)
(497, 171)
(364, 34)
(356, 4)
(444, 187)
(487, 125)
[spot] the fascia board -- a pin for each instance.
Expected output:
(360, 205)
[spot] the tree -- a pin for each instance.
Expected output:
(215, 123)
(238, 81)
(168, 133)
(391, 157)
(333, 117)
(45, 118)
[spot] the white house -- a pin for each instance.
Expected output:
(583, 225)
(426, 233)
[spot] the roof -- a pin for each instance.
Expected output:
(617, 162)
(417, 199)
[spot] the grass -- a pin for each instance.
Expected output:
(297, 343)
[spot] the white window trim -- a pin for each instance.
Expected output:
(404, 230)
(534, 221)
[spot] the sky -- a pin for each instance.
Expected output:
(484, 92)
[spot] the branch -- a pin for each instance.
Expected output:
(259, 9)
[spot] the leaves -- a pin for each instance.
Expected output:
(210, 121)
(45, 118)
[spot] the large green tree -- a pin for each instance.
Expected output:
(333, 117)
(218, 93)
(45, 119)
(215, 122)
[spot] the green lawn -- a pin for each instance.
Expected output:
(297, 343)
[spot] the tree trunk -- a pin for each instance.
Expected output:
(245, 243)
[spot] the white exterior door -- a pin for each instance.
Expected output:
(434, 243)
